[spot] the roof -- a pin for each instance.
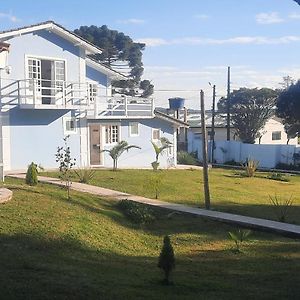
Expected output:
(170, 119)
(105, 69)
(56, 28)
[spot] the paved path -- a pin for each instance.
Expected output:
(249, 222)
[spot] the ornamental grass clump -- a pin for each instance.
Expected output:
(250, 167)
(281, 206)
(239, 237)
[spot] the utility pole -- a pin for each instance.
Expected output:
(204, 152)
(228, 104)
(212, 137)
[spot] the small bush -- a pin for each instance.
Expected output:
(239, 237)
(136, 212)
(32, 173)
(185, 158)
(281, 206)
(166, 260)
(250, 167)
(278, 176)
(232, 163)
(85, 175)
(288, 167)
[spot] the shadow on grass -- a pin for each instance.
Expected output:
(33, 267)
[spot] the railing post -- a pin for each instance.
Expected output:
(126, 108)
(19, 97)
(152, 106)
(64, 100)
(34, 91)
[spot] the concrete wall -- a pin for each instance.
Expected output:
(267, 155)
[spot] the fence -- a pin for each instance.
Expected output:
(267, 155)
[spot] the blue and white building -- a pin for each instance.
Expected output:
(52, 88)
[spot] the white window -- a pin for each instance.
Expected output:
(34, 72)
(276, 135)
(70, 125)
(59, 72)
(155, 134)
(112, 134)
(134, 129)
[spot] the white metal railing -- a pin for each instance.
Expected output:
(41, 94)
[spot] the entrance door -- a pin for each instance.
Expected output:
(95, 144)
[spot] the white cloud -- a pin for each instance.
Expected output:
(10, 17)
(268, 18)
(131, 21)
(294, 16)
(242, 40)
(201, 17)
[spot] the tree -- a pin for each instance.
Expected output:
(250, 109)
(164, 144)
(166, 260)
(288, 109)
(66, 163)
(120, 52)
(116, 151)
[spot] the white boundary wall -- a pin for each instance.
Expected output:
(267, 155)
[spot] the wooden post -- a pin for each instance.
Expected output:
(204, 152)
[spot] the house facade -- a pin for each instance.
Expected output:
(53, 88)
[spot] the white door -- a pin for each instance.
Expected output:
(33, 84)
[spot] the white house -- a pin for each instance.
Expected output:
(52, 88)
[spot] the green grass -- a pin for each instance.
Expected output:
(52, 248)
(230, 192)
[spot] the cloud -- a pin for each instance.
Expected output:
(240, 40)
(131, 21)
(294, 16)
(10, 17)
(268, 18)
(202, 17)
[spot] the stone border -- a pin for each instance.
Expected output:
(5, 195)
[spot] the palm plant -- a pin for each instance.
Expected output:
(165, 144)
(116, 151)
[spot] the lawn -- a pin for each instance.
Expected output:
(230, 192)
(84, 248)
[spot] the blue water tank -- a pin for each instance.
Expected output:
(176, 103)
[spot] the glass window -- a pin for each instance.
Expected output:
(276, 135)
(155, 134)
(92, 91)
(70, 126)
(134, 129)
(112, 134)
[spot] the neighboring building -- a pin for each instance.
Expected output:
(55, 89)
(273, 132)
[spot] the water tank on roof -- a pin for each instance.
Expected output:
(176, 103)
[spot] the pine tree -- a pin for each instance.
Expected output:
(166, 260)
(31, 175)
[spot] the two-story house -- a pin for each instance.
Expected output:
(52, 88)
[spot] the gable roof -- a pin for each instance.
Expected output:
(95, 64)
(56, 28)
(170, 119)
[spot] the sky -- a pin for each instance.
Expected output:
(188, 43)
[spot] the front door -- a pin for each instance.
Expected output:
(95, 144)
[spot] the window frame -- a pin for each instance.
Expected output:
(159, 137)
(109, 140)
(274, 133)
(138, 129)
(66, 130)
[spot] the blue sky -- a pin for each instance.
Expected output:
(189, 43)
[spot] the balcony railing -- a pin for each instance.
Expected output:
(94, 98)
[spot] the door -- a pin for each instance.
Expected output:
(33, 86)
(95, 144)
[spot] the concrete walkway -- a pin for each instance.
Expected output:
(249, 222)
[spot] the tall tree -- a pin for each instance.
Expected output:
(121, 53)
(250, 109)
(288, 108)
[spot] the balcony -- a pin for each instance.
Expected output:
(86, 96)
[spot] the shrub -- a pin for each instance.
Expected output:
(136, 212)
(85, 175)
(32, 173)
(166, 260)
(232, 163)
(281, 206)
(288, 167)
(250, 167)
(239, 237)
(185, 158)
(278, 176)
